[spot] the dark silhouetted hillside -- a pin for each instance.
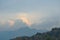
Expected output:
(54, 34)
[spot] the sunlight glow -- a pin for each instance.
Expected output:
(11, 22)
(24, 18)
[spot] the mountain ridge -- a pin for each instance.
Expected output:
(54, 34)
(23, 31)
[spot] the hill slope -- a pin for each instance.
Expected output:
(24, 31)
(54, 34)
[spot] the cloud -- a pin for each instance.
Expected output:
(12, 25)
(48, 23)
(11, 22)
(35, 20)
(19, 20)
(24, 18)
(30, 18)
(38, 12)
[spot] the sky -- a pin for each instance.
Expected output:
(37, 14)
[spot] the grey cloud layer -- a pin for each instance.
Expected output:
(13, 6)
(49, 8)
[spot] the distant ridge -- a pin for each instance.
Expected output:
(54, 34)
(23, 31)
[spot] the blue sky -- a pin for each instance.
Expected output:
(32, 12)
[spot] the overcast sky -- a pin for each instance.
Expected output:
(38, 14)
